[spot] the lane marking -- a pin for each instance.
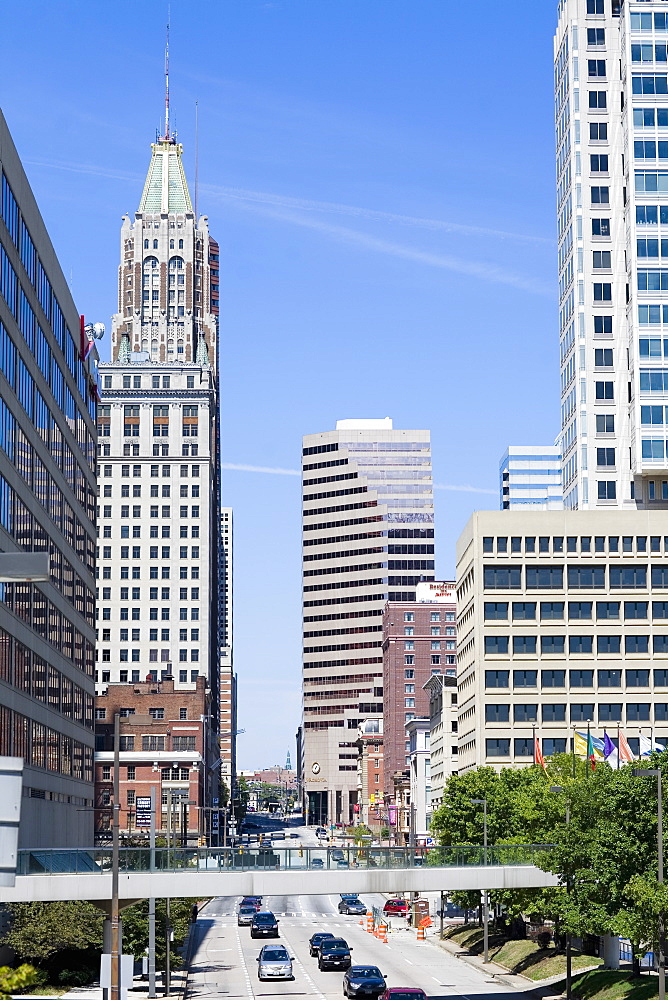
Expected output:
(297, 962)
(244, 967)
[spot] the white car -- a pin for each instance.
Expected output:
(274, 962)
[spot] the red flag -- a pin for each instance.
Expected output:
(538, 754)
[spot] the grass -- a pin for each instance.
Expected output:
(46, 991)
(613, 986)
(521, 957)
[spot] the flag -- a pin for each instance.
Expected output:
(538, 754)
(647, 746)
(591, 750)
(625, 752)
(582, 745)
(610, 752)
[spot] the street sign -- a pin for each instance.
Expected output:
(143, 817)
(215, 801)
(214, 820)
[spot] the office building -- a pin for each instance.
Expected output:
(419, 639)
(530, 477)
(443, 733)
(565, 623)
(47, 504)
(368, 537)
(228, 703)
(159, 606)
(163, 746)
(611, 85)
(419, 773)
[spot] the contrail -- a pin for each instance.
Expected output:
(270, 470)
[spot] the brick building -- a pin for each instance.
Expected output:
(370, 774)
(165, 742)
(419, 639)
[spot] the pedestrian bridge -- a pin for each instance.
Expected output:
(60, 874)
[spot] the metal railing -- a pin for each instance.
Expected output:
(218, 859)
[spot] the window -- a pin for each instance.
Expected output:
(524, 645)
(502, 577)
(635, 609)
(636, 644)
(551, 645)
(628, 577)
(578, 644)
(409, 659)
(610, 678)
(551, 610)
(525, 678)
(595, 7)
(525, 713)
(605, 423)
(605, 457)
(598, 99)
(660, 577)
(497, 714)
(581, 678)
(496, 678)
(603, 293)
(599, 165)
(496, 645)
(553, 678)
(637, 678)
(586, 577)
(496, 610)
(409, 616)
(600, 196)
(611, 712)
(603, 357)
(649, 83)
(497, 748)
(582, 713)
(607, 610)
(596, 68)
(524, 610)
(553, 713)
(608, 644)
(544, 577)
(598, 132)
(600, 227)
(579, 610)
(153, 742)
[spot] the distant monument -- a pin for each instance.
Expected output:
(288, 765)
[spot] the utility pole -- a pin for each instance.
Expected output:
(151, 903)
(115, 970)
(656, 773)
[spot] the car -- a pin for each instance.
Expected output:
(320, 831)
(294, 834)
(314, 942)
(334, 953)
(255, 901)
(337, 854)
(403, 993)
(352, 905)
(274, 962)
(363, 981)
(277, 835)
(264, 925)
(245, 915)
(342, 863)
(396, 907)
(317, 863)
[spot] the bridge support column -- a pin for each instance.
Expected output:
(610, 951)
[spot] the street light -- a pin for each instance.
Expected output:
(655, 772)
(485, 897)
(569, 966)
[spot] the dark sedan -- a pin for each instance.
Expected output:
(363, 981)
(352, 905)
(264, 925)
(334, 953)
(314, 942)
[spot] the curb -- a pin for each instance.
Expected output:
(503, 975)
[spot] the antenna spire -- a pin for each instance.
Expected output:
(167, 135)
(196, 157)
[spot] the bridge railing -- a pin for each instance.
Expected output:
(220, 859)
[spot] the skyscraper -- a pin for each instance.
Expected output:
(368, 537)
(611, 88)
(159, 469)
(530, 478)
(47, 504)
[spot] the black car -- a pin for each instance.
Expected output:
(314, 942)
(363, 981)
(264, 925)
(334, 953)
(352, 904)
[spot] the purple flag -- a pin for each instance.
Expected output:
(610, 751)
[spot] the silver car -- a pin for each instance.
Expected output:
(274, 962)
(245, 915)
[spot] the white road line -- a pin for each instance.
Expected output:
(301, 968)
(244, 968)
(409, 962)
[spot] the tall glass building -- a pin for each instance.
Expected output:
(47, 504)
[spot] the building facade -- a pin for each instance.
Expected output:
(163, 735)
(47, 504)
(228, 699)
(419, 639)
(419, 771)
(370, 800)
(612, 184)
(443, 733)
(563, 627)
(368, 527)
(530, 477)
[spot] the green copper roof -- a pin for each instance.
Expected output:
(166, 189)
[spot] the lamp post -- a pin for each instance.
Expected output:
(655, 772)
(569, 962)
(115, 958)
(485, 897)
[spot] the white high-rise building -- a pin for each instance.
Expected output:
(368, 537)
(611, 102)
(530, 478)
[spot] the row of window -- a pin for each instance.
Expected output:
(134, 655)
(647, 21)
(134, 614)
(154, 491)
(153, 511)
(43, 747)
(647, 53)
(152, 593)
(164, 531)
(104, 450)
(578, 645)
(577, 610)
(30, 605)
(152, 553)
(29, 673)
(185, 471)
(136, 676)
(607, 712)
(153, 573)
(436, 659)
(574, 543)
(582, 577)
(577, 678)
(135, 634)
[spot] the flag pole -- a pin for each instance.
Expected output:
(619, 747)
(573, 751)
(533, 730)
(587, 755)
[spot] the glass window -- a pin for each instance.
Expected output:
(551, 610)
(502, 577)
(578, 644)
(581, 678)
(582, 713)
(524, 610)
(525, 713)
(607, 610)
(497, 747)
(496, 678)
(525, 678)
(586, 577)
(579, 610)
(635, 609)
(496, 610)
(628, 577)
(551, 644)
(553, 678)
(637, 678)
(524, 746)
(497, 713)
(636, 644)
(496, 645)
(608, 644)
(610, 678)
(544, 577)
(637, 712)
(553, 713)
(524, 645)
(611, 712)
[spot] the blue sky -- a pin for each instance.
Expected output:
(380, 177)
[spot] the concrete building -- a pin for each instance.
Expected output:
(228, 700)
(47, 504)
(443, 733)
(419, 639)
(370, 809)
(563, 625)
(164, 573)
(530, 477)
(368, 527)
(164, 732)
(610, 87)
(419, 771)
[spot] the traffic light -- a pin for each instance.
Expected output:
(201, 842)
(301, 852)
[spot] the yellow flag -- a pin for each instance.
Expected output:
(580, 745)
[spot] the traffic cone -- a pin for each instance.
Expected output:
(420, 934)
(383, 933)
(369, 923)
(361, 923)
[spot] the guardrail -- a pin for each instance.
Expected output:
(219, 859)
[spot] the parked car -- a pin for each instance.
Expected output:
(320, 831)
(274, 962)
(334, 953)
(396, 907)
(264, 925)
(363, 981)
(314, 942)
(403, 993)
(352, 905)
(245, 915)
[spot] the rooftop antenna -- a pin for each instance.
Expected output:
(196, 157)
(167, 135)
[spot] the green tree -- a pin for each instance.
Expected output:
(16, 980)
(135, 928)
(37, 931)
